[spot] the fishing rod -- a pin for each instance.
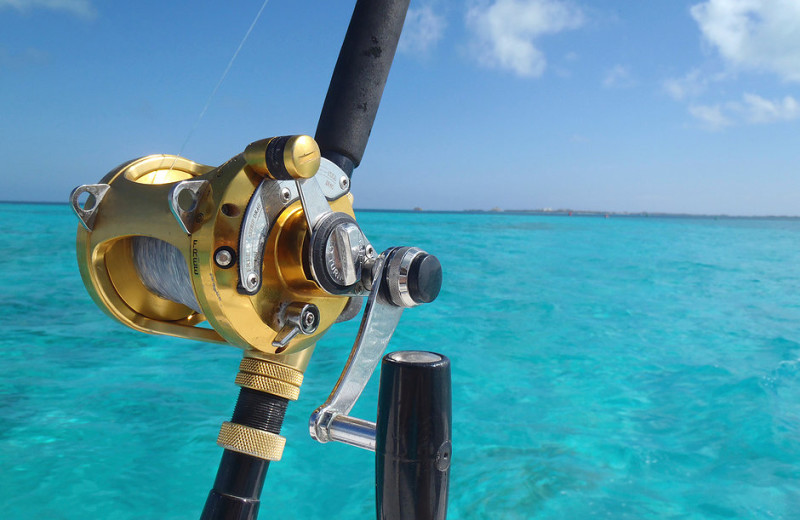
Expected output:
(267, 251)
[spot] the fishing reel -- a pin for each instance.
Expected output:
(168, 243)
(265, 250)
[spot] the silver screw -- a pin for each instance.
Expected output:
(286, 195)
(370, 251)
(309, 319)
(223, 258)
(252, 279)
(344, 182)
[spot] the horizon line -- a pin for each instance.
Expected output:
(500, 211)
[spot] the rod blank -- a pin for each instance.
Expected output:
(358, 79)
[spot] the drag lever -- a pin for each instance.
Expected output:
(401, 277)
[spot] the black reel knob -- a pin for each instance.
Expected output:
(424, 278)
(411, 277)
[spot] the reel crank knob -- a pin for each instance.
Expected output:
(412, 277)
(424, 278)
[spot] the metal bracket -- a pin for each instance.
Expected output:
(315, 205)
(88, 213)
(330, 421)
(329, 183)
(265, 205)
(298, 318)
(270, 199)
(186, 216)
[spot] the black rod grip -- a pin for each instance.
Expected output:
(236, 494)
(413, 445)
(358, 80)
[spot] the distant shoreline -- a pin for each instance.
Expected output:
(578, 213)
(537, 212)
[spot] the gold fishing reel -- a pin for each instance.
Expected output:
(264, 253)
(167, 246)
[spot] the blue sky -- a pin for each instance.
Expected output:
(657, 105)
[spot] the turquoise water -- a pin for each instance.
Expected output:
(602, 368)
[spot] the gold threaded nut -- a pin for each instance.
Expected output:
(269, 385)
(272, 378)
(271, 370)
(251, 441)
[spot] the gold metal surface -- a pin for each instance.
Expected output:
(268, 385)
(255, 156)
(298, 360)
(301, 157)
(251, 441)
(162, 176)
(131, 208)
(137, 204)
(272, 370)
(269, 376)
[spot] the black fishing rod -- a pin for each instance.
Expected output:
(267, 250)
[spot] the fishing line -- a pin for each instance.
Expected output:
(221, 79)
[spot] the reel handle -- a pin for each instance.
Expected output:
(413, 447)
(358, 79)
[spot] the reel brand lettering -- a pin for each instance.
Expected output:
(195, 259)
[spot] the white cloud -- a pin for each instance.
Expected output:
(710, 115)
(81, 8)
(422, 30)
(506, 32)
(691, 85)
(751, 109)
(750, 36)
(761, 35)
(756, 109)
(618, 76)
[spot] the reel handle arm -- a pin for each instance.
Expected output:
(358, 80)
(401, 277)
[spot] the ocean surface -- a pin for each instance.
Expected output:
(622, 368)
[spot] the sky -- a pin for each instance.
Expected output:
(650, 105)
